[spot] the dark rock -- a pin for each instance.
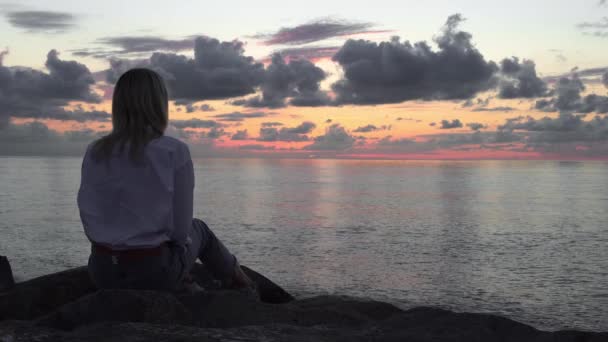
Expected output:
(39, 296)
(79, 313)
(119, 306)
(6, 274)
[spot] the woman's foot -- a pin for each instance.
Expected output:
(241, 281)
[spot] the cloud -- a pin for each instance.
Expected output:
(317, 30)
(605, 78)
(41, 21)
(297, 133)
(475, 126)
(216, 132)
(195, 123)
(271, 124)
(335, 138)
(29, 93)
(445, 124)
(388, 141)
(129, 46)
(257, 147)
(566, 128)
(601, 24)
(35, 138)
(191, 107)
(304, 128)
(311, 53)
(391, 72)
(218, 70)
(299, 80)
(569, 99)
(371, 128)
(493, 109)
(595, 28)
(238, 116)
(520, 80)
(240, 135)
(366, 129)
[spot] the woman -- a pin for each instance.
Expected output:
(135, 198)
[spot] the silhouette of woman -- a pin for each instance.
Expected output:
(136, 198)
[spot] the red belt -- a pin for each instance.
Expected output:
(129, 253)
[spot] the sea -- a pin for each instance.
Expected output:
(524, 239)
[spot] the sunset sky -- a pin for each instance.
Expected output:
(382, 79)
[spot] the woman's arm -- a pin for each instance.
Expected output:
(183, 188)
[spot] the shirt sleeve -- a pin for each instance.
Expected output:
(183, 188)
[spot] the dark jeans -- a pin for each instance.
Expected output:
(165, 271)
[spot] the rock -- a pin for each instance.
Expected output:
(119, 306)
(6, 274)
(268, 290)
(39, 296)
(80, 313)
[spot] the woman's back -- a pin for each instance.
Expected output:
(129, 205)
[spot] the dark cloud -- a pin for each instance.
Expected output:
(433, 124)
(493, 109)
(299, 80)
(240, 135)
(41, 21)
(315, 31)
(35, 138)
(391, 72)
(238, 116)
(130, 46)
(297, 133)
(216, 133)
(366, 129)
(30, 93)
(592, 75)
(388, 141)
(219, 70)
(446, 124)
(371, 128)
(206, 108)
(335, 138)
(475, 126)
(257, 147)
(520, 80)
(311, 53)
(605, 78)
(303, 128)
(190, 107)
(566, 128)
(568, 98)
(195, 123)
(271, 124)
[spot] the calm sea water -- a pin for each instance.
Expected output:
(528, 240)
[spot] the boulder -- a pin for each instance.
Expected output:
(66, 307)
(6, 274)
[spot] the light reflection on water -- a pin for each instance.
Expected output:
(525, 239)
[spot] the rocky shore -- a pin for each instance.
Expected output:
(65, 306)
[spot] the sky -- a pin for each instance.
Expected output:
(316, 79)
